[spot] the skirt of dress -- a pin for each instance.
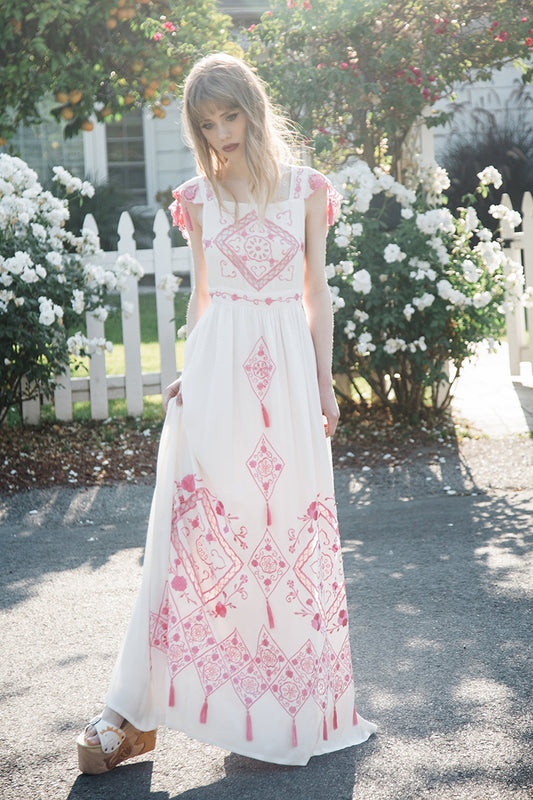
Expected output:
(239, 636)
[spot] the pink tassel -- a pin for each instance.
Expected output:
(249, 736)
(171, 698)
(334, 717)
(325, 729)
(270, 615)
(266, 420)
(269, 515)
(354, 716)
(203, 712)
(294, 736)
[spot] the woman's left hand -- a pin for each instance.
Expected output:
(330, 409)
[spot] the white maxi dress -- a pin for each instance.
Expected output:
(239, 636)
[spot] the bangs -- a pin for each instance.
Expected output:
(210, 95)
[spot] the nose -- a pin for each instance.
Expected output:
(223, 131)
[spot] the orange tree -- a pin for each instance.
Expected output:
(99, 57)
(356, 74)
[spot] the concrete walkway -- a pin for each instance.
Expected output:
(439, 575)
(491, 400)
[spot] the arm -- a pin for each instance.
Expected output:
(199, 299)
(317, 302)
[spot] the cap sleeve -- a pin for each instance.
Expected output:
(312, 180)
(191, 193)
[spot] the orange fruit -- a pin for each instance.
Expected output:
(111, 23)
(67, 112)
(61, 97)
(176, 71)
(106, 111)
(165, 101)
(3, 141)
(87, 125)
(75, 96)
(129, 99)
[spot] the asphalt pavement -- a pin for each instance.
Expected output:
(439, 574)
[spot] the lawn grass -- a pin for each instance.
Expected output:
(150, 361)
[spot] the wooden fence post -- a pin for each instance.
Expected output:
(515, 320)
(166, 326)
(131, 326)
(31, 409)
(527, 244)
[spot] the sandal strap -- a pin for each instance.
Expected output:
(109, 736)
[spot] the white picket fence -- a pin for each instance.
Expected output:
(99, 387)
(520, 322)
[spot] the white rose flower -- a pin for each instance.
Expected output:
(78, 301)
(361, 281)
(490, 175)
(512, 218)
(359, 315)
(357, 229)
(330, 272)
(470, 271)
(407, 213)
(365, 344)
(349, 329)
(393, 253)
(346, 267)
(408, 311)
(481, 299)
(423, 302)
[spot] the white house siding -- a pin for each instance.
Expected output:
(168, 160)
(495, 96)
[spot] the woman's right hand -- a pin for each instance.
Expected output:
(172, 390)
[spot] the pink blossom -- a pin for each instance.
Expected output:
(426, 94)
(320, 66)
(306, 5)
(188, 483)
(252, 27)
(169, 26)
(157, 36)
(344, 65)
(431, 78)
(220, 609)
(501, 37)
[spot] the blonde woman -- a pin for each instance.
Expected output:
(240, 632)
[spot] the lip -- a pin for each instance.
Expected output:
(229, 148)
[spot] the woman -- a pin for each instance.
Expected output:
(239, 636)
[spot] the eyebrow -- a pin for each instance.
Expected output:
(221, 114)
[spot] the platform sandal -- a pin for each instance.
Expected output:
(116, 745)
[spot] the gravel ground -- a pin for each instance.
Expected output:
(437, 554)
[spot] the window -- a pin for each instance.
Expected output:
(43, 146)
(125, 156)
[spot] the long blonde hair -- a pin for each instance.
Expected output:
(227, 82)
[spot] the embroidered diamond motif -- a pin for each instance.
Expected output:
(269, 658)
(259, 368)
(199, 534)
(268, 564)
(320, 565)
(212, 671)
(235, 652)
(248, 244)
(265, 466)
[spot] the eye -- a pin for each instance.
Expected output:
(232, 117)
(207, 126)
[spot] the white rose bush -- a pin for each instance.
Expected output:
(49, 279)
(414, 287)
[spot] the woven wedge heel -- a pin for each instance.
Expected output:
(116, 745)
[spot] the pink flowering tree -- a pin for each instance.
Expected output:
(356, 74)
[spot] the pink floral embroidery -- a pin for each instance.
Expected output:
(265, 466)
(259, 368)
(248, 246)
(268, 564)
(199, 534)
(234, 297)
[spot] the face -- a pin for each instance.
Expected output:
(225, 130)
